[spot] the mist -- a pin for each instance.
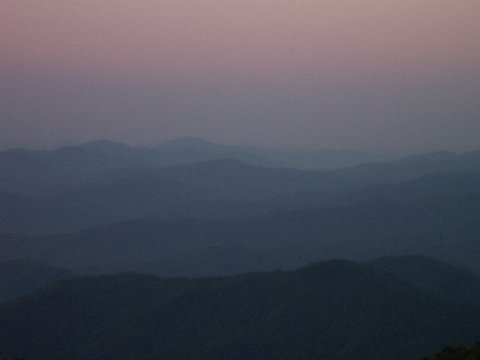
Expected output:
(383, 75)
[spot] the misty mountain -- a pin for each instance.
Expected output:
(215, 189)
(332, 310)
(447, 183)
(444, 281)
(316, 231)
(21, 277)
(444, 227)
(76, 167)
(40, 173)
(189, 150)
(412, 167)
(431, 185)
(71, 168)
(437, 278)
(322, 159)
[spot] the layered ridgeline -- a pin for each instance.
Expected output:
(34, 172)
(110, 207)
(433, 277)
(75, 188)
(215, 190)
(31, 172)
(445, 227)
(331, 310)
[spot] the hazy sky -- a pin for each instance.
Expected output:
(398, 74)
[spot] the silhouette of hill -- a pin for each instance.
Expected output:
(332, 310)
(21, 277)
(445, 281)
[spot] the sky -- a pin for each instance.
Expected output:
(402, 75)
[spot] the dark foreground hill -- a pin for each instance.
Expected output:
(437, 278)
(333, 310)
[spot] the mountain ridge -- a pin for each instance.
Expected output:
(331, 309)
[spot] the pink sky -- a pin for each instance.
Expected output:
(341, 44)
(278, 38)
